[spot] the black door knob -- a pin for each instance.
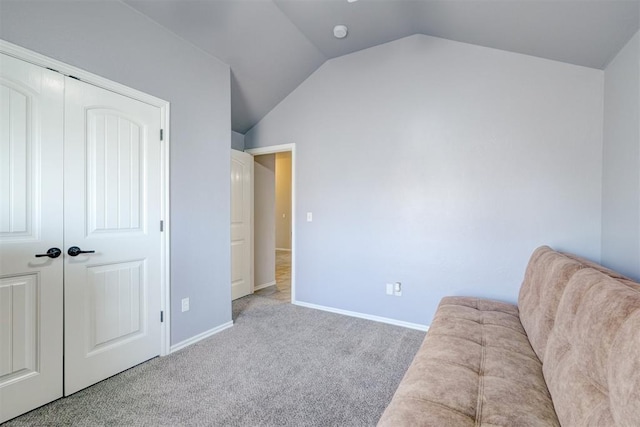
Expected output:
(75, 251)
(51, 253)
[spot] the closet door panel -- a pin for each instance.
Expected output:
(112, 207)
(31, 194)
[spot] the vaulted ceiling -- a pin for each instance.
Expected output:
(274, 45)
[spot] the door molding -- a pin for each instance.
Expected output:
(164, 106)
(281, 149)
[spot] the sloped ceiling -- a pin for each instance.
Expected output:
(274, 45)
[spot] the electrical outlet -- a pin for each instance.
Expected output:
(185, 304)
(397, 289)
(389, 288)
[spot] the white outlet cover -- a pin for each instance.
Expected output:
(389, 288)
(397, 289)
(185, 304)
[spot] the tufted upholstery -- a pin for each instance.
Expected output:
(480, 363)
(544, 281)
(474, 367)
(592, 363)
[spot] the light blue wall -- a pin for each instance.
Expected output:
(112, 40)
(237, 141)
(621, 164)
(441, 165)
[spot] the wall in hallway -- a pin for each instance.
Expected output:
(283, 201)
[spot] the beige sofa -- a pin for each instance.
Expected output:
(568, 354)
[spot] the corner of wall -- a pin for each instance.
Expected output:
(237, 141)
(620, 227)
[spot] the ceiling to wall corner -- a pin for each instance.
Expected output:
(274, 45)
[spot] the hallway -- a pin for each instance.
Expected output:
(282, 289)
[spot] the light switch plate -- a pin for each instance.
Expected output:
(389, 288)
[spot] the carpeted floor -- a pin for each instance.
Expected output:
(280, 365)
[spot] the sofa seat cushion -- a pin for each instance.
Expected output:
(475, 368)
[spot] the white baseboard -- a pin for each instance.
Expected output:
(200, 337)
(283, 249)
(409, 325)
(264, 285)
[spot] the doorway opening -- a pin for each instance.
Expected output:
(274, 221)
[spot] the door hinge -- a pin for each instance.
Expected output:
(161, 134)
(161, 316)
(161, 225)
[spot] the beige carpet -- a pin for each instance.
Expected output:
(280, 365)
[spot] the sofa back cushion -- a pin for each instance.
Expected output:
(601, 269)
(546, 276)
(592, 359)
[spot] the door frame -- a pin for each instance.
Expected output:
(164, 106)
(272, 149)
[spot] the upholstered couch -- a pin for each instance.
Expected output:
(568, 354)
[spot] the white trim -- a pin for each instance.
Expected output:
(95, 80)
(280, 149)
(264, 285)
(165, 277)
(272, 149)
(283, 249)
(380, 319)
(206, 334)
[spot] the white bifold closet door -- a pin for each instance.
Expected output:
(111, 206)
(31, 203)
(80, 172)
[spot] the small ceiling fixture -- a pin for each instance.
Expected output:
(351, 1)
(340, 31)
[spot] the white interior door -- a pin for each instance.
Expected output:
(241, 224)
(112, 206)
(31, 132)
